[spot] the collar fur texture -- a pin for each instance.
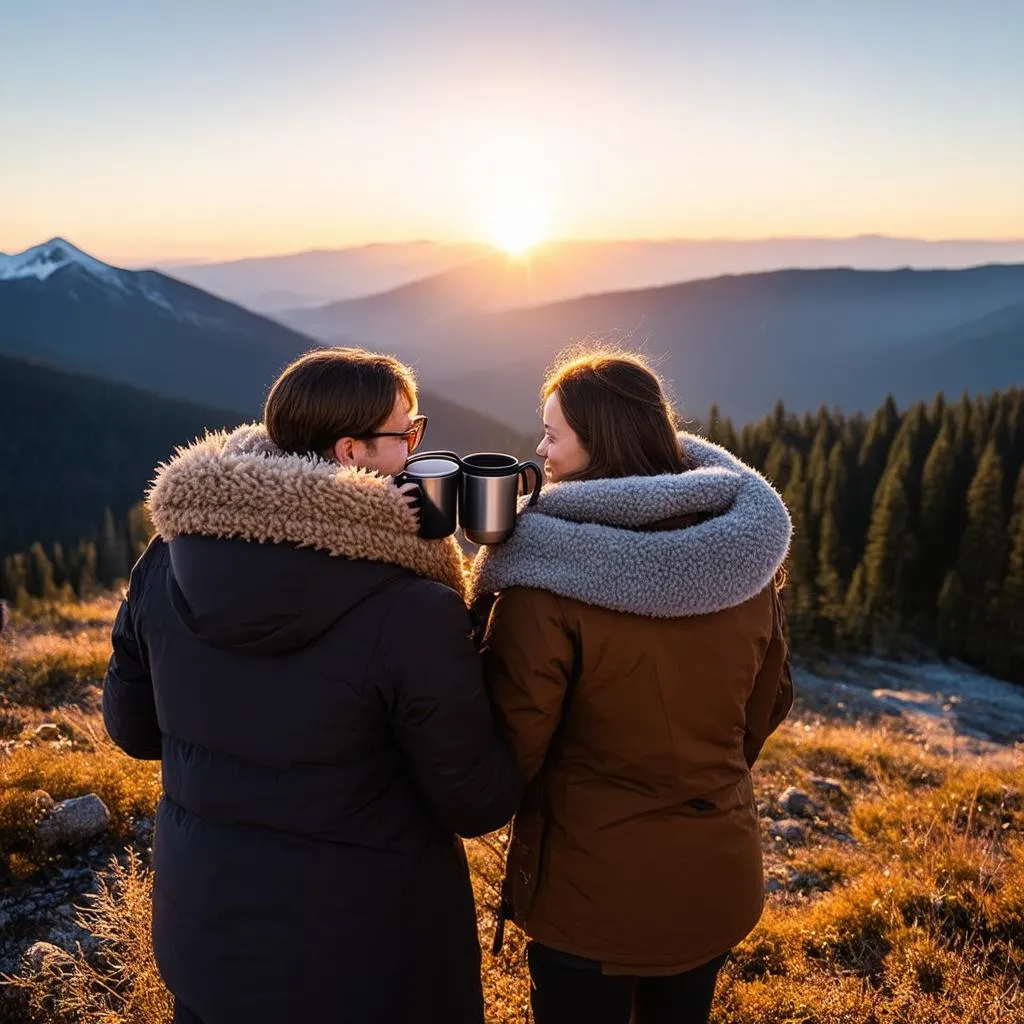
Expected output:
(240, 484)
(585, 540)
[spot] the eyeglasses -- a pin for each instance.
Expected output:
(413, 436)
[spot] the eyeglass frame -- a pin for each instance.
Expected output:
(413, 436)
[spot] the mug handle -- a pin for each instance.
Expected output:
(400, 480)
(524, 472)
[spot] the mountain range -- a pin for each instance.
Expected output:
(271, 283)
(105, 370)
(481, 334)
(568, 269)
(809, 337)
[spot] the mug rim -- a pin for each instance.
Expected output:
(415, 460)
(508, 465)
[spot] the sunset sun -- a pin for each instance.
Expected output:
(518, 225)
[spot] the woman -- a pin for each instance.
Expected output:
(635, 654)
(302, 663)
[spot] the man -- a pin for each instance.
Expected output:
(301, 662)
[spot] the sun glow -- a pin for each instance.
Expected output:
(518, 223)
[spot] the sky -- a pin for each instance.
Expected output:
(226, 128)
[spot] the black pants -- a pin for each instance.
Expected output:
(565, 989)
(183, 1015)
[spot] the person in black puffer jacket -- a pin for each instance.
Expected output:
(301, 662)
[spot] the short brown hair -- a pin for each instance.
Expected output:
(617, 406)
(331, 393)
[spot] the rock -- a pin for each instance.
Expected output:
(47, 732)
(73, 821)
(70, 938)
(830, 787)
(38, 953)
(796, 802)
(789, 830)
(142, 830)
(774, 885)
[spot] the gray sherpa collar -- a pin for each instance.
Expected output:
(581, 540)
(240, 484)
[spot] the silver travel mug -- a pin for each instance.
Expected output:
(437, 476)
(488, 495)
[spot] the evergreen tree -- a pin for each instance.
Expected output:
(1010, 660)
(84, 575)
(39, 576)
(939, 519)
(713, 425)
(817, 478)
(15, 579)
(887, 556)
(60, 565)
(871, 462)
(778, 465)
(140, 530)
(800, 592)
(970, 601)
(112, 552)
(833, 555)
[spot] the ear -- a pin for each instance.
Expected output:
(345, 451)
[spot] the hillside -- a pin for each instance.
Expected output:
(834, 337)
(890, 821)
(71, 446)
(60, 305)
(202, 362)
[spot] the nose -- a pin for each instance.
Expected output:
(542, 448)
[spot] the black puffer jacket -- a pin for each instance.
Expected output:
(325, 737)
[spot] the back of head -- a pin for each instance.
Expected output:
(331, 393)
(617, 406)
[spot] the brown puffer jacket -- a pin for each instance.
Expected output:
(638, 844)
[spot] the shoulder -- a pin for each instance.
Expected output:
(151, 562)
(417, 604)
(528, 606)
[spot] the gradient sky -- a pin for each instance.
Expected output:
(238, 127)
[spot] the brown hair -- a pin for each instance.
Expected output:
(617, 406)
(331, 393)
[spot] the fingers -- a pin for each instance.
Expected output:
(411, 496)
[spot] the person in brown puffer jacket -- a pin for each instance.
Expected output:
(636, 659)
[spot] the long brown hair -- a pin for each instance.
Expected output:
(617, 406)
(334, 392)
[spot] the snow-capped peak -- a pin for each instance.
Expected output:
(41, 261)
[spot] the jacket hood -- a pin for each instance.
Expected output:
(266, 599)
(269, 549)
(591, 540)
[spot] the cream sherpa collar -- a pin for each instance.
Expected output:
(582, 540)
(240, 484)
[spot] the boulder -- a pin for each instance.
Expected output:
(830, 787)
(48, 732)
(73, 821)
(789, 830)
(36, 956)
(796, 803)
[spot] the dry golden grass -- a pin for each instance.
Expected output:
(83, 761)
(919, 921)
(64, 617)
(47, 670)
(122, 983)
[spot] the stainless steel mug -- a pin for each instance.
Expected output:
(437, 476)
(488, 493)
